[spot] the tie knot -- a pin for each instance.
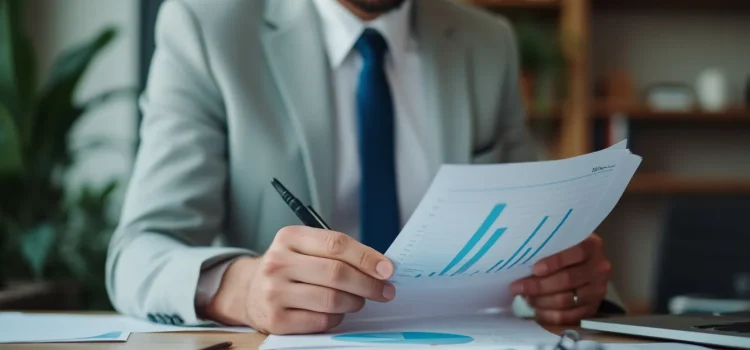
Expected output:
(371, 45)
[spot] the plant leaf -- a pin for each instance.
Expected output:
(106, 192)
(8, 94)
(36, 245)
(26, 84)
(18, 69)
(56, 111)
(10, 148)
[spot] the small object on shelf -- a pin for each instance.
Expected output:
(713, 90)
(670, 97)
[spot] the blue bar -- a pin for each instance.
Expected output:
(521, 258)
(475, 272)
(419, 275)
(494, 214)
(432, 274)
(524, 243)
(487, 245)
(550, 236)
(494, 266)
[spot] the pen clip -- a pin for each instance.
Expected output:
(318, 218)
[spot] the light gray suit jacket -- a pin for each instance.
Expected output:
(240, 92)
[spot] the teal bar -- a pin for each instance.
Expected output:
(550, 236)
(524, 243)
(494, 266)
(419, 275)
(482, 251)
(494, 214)
(432, 274)
(521, 258)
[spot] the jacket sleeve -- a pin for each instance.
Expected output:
(174, 206)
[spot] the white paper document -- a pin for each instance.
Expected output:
(49, 328)
(582, 345)
(481, 227)
(446, 331)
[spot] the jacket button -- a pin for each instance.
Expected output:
(160, 318)
(152, 318)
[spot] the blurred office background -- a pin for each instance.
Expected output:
(673, 77)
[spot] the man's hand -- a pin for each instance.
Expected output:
(581, 271)
(305, 283)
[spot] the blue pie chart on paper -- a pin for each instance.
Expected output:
(427, 338)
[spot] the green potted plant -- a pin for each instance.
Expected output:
(48, 233)
(542, 65)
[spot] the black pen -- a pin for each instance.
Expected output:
(306, 214)
(220, 346)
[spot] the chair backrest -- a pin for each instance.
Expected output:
(704, 249)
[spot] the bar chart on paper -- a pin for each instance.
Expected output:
(472, 258)
(473, 232)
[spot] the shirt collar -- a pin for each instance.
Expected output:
(341, 29)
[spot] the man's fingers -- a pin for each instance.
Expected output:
(565, 317)
(569, 257)
(337, 246)
(341, 276)
(567, 279)
(292, 321)
(588, 294)
(321, 299)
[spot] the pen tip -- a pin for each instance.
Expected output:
(278, 186)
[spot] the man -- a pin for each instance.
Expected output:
(353, 105)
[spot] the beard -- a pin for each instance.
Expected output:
(375, 6)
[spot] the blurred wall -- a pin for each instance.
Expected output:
(56, 25)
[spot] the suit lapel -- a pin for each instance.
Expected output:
(295, 52)
(445, 62)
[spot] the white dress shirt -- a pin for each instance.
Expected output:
(341, 30)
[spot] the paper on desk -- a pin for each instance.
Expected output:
(649, 346)
(479, 228)
(459, 331)
(48, 328)
(583, 345)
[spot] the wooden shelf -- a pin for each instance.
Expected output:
(645, 113)
(516, 4)
(665, 184)
(677, 5)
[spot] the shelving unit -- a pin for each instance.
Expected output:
(644, 113)
(694, 29)
(689, 5)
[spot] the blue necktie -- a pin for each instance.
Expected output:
(379, 211)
